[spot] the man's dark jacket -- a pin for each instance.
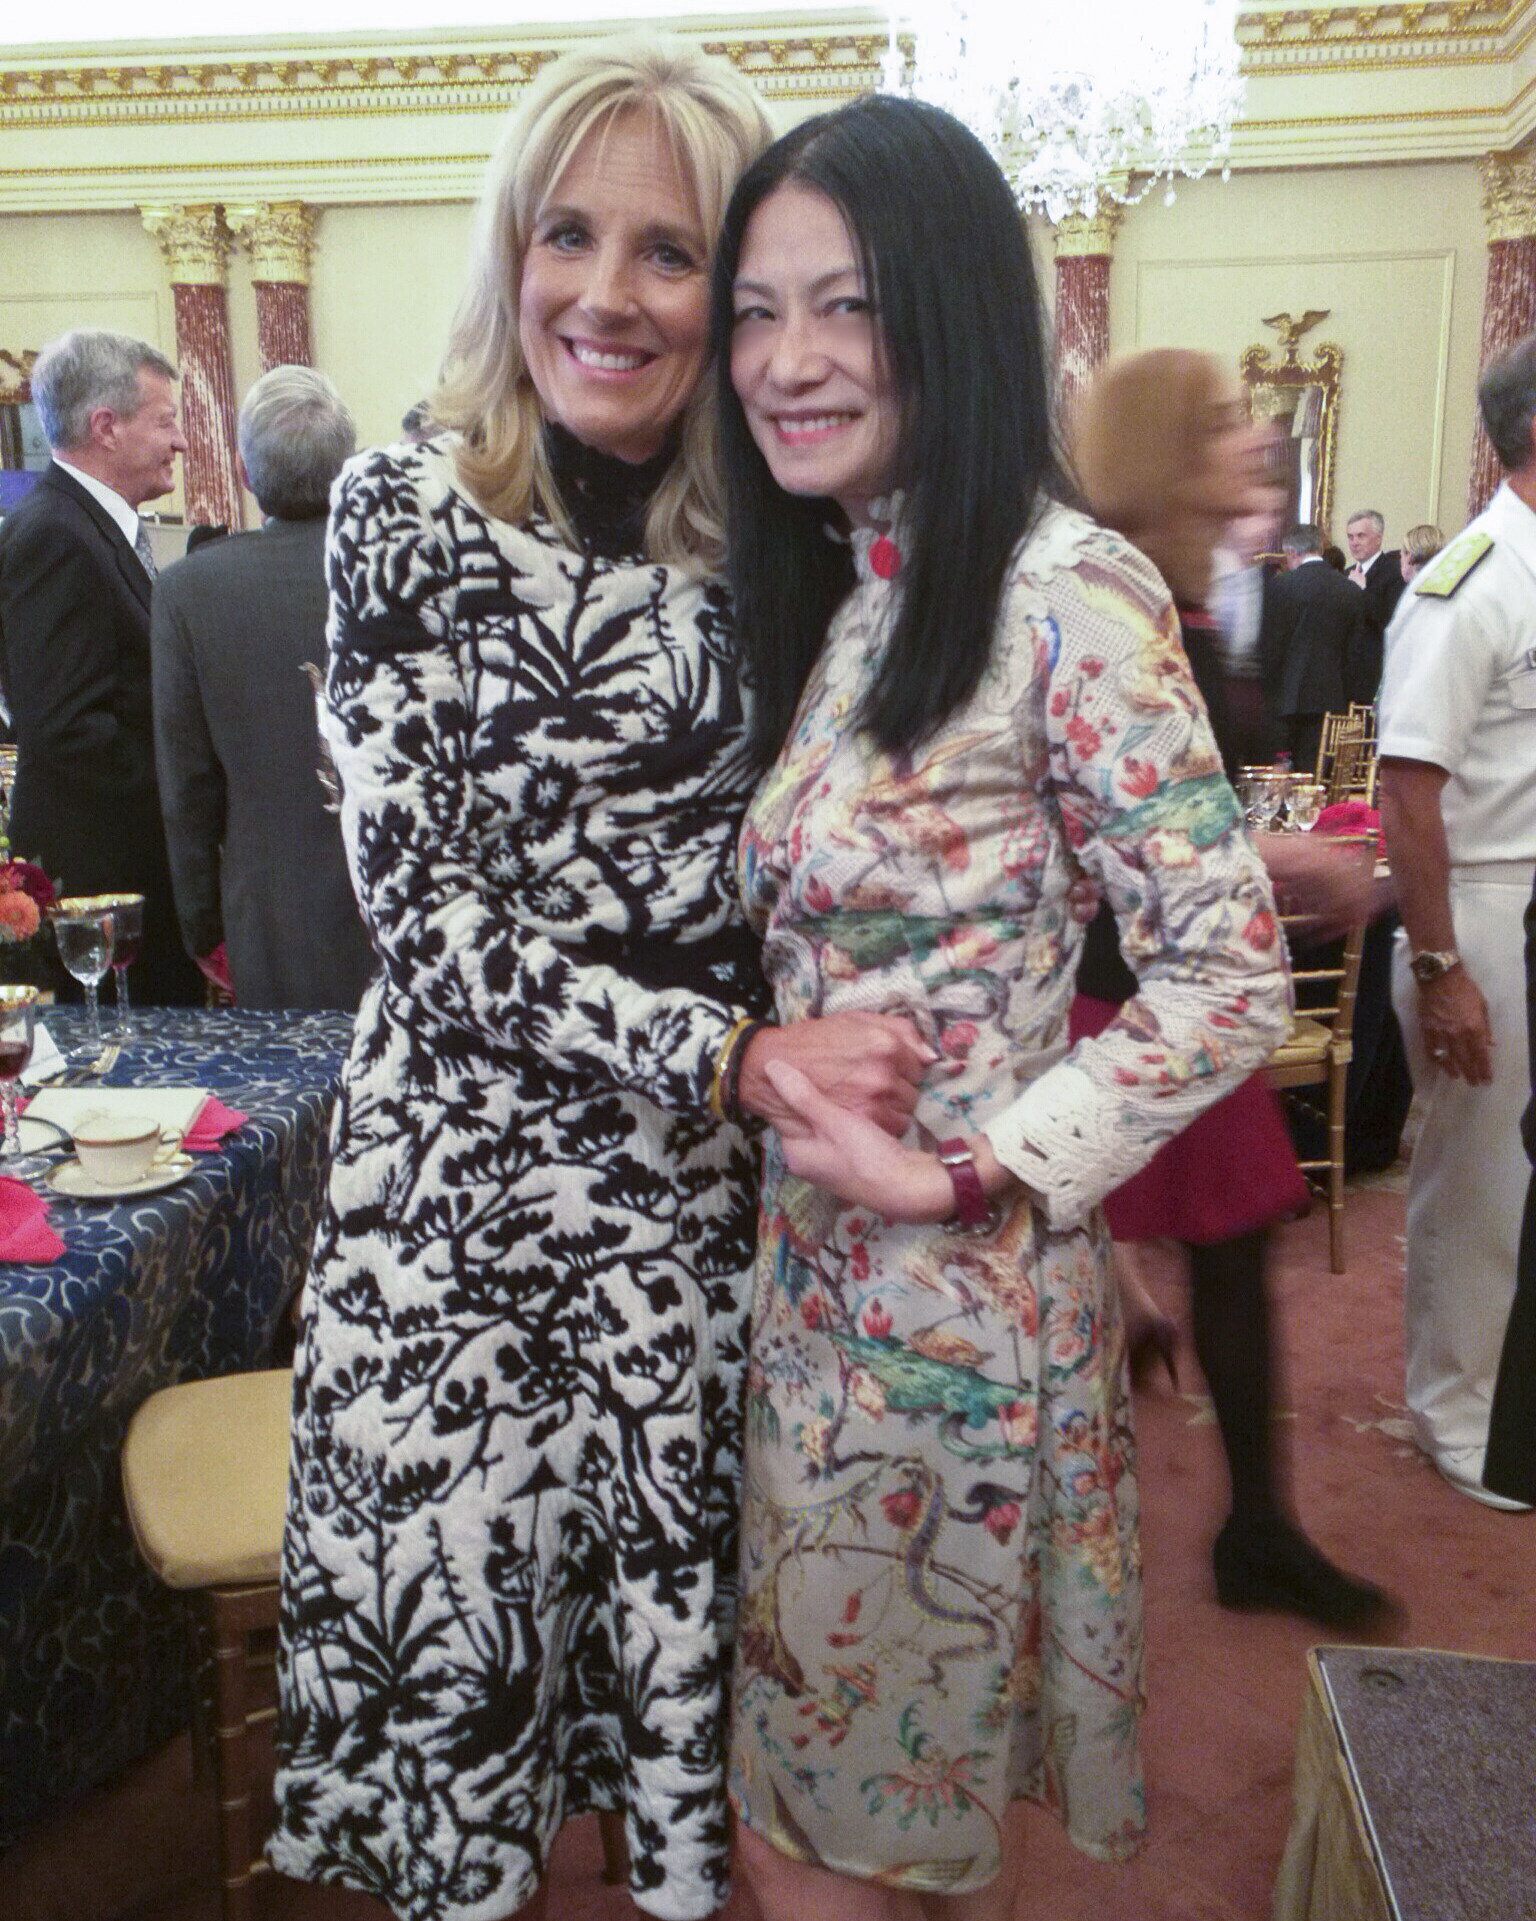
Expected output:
(1383, 589)
(74, 658)
(1312, 642)
(256, 860)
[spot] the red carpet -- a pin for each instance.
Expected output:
(1224, 1689)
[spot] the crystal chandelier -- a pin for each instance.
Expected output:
(1081, 100)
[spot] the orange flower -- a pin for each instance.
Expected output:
(19, 917)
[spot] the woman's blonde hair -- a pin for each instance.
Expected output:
(715, 125)
(1140, 450)
(1423, 542)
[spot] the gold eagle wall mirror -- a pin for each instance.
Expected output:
(1301, 396)
(23, 450)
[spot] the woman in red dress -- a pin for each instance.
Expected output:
(1166, 456)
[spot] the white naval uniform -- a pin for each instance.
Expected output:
(1459, 691)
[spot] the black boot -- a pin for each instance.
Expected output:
(1261, 1558)
(1276, 1566)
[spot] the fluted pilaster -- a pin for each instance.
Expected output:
(1085, 245)
(280, 236)
(195, 244)
(1509, 297)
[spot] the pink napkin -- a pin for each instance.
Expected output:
(24, 1231)
(212, 1121)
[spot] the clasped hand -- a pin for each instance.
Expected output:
(872, 1065)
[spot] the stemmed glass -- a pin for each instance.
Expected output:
(83, 928)
(1306, 805)
(1267, 803)
(18, 1017)
(127, 932)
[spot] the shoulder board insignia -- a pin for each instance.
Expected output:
(1449, 569)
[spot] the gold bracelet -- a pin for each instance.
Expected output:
(722, 1066)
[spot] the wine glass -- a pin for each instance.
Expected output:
(83, 929)
(1306, 805)
(1267, 803)
(18, 1017)
(127, 932)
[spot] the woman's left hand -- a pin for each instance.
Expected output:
(854, 1159)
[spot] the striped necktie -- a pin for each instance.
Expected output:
(145, 552)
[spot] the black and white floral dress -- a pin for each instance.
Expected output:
(508, 1575)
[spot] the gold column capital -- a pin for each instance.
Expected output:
(1082, 234)
(194, 241)
(1509, 196)
(279, 235)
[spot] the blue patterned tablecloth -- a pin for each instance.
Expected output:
(182, 1285)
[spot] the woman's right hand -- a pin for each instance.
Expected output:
(871, 1064)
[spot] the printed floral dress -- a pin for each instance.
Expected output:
(941, 1576)
(509, 1567)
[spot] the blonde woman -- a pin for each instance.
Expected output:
(509, 1569)
(1420, 545)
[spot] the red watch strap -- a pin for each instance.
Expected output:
(970, 1196)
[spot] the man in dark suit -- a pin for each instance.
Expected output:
(1314, 621)
(257, 862)
(75, 573)
(1379, 576)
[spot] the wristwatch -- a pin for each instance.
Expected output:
(1430, 964)
(972, 1212)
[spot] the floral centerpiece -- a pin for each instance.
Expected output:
(25, 891)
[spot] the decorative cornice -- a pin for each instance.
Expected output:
(462, 71)
(1343, 39)
(194, 241)
(1080, 235)
(279, 236)
(1509, 196)
(343, 83)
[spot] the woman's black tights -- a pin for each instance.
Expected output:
(1230, 1311)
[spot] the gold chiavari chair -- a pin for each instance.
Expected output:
(1316, 1055)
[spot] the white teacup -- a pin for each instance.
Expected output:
(117, 1149)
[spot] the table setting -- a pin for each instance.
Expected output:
(170, 1186)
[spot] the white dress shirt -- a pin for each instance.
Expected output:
(126, 517)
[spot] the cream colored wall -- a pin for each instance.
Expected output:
(386, 281)
(1396, 254)
(71, 270)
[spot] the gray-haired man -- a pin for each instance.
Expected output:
(257, 862)
(75, 572)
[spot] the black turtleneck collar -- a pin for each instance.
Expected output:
(606, 498)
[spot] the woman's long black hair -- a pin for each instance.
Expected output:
(947, 266)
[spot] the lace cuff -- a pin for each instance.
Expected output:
(1058, 1139)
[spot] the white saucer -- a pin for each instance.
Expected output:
(70, 1178)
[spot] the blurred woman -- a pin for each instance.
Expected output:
(1166, 455)
(1420, 545)
(966, 689)
(508, 1580)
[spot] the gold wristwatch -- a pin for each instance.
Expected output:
(1429, 964)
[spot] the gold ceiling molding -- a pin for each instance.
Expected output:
(1400, 38)
(344, 83)
(463, 73)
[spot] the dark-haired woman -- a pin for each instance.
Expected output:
(969, 688)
